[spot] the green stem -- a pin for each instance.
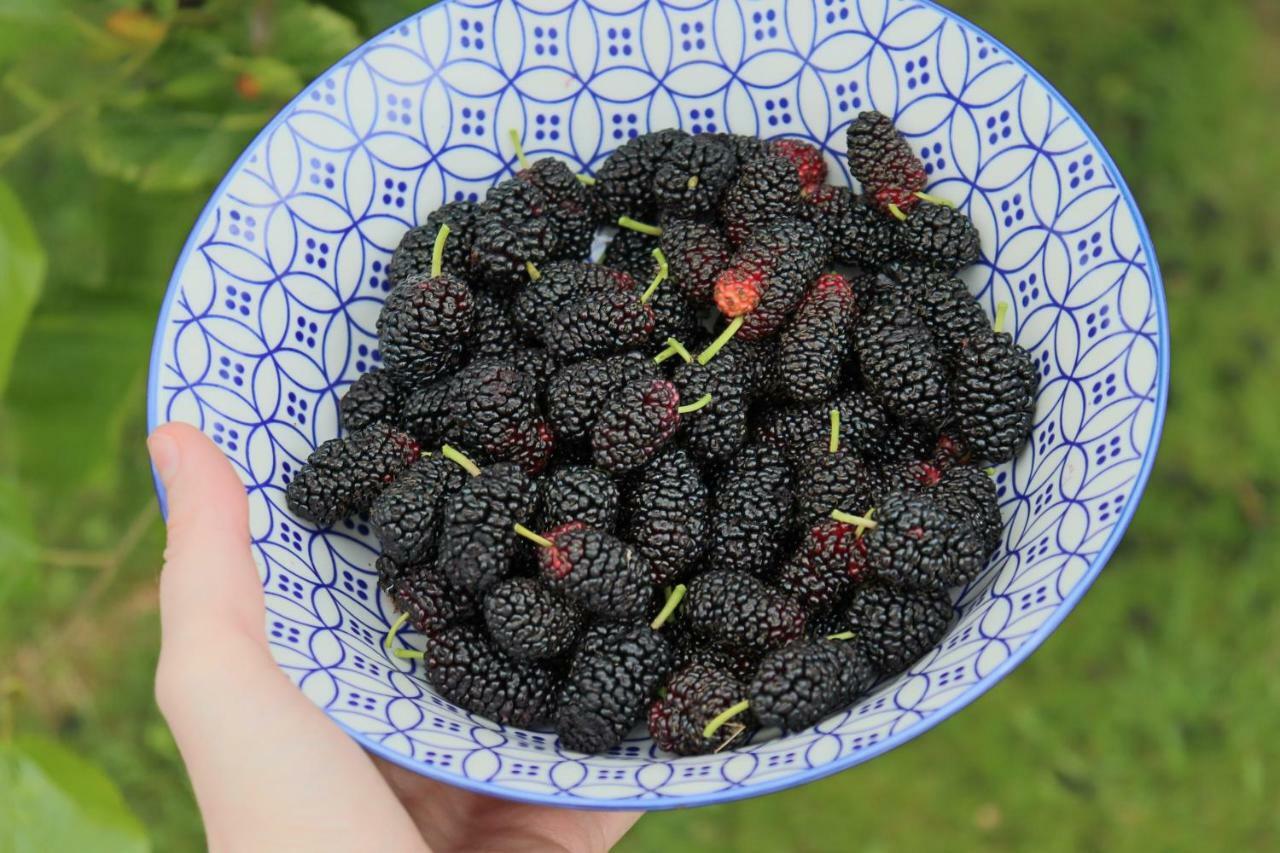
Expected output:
(834, 444)
(587, 180)
(391, 632)
(897, 212)
(540, 541)
(859, 521)
(408, 654)
(643, 228)
(455, 455)
(725, 716)
(533, 271)
(843, 635)
(674, 347)
(729, 331)
(695, 405)
(437, 250)
(1002, 310)
(692, 182)
(515, 140)
(673, 601)
(933, 199)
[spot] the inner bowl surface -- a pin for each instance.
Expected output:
(270, 315)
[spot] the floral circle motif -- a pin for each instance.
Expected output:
(270, 315)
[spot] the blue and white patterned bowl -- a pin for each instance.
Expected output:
(270, 315)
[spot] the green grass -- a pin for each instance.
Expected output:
(1145, 722)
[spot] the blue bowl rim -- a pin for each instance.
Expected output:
(1033, 642)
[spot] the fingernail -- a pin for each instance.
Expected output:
(164, 455)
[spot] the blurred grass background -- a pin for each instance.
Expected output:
(1147, 722)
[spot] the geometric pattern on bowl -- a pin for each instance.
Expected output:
(270, 315)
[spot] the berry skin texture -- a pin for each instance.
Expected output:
(717, 430)
(882, 161)
(467, 669)
(371, 398)
(478, 542)
(493, 330)
(491, 405)
(602, 574)
(406, 516)
(343, 475)
(899, 362)
(530, 622)
(767, 189)
(811, 169)
(944, 303)
(599, 324)
(919, 545)
(615, 672)
(800, 684)
(632, 252)
(538, 302)
(860, 235)
(895, 627)
(568, 205)
(939, 237)
(745, 147)
(666, 515)
(695, 695)
(533, 447)
(798, 430)
(412, 258)
(840, 480)
(580, 493)
(709, 166)
(575, 392)
(624, 182)
(829, 563)
(433, 604)
(994, 398)
(634, 424)
(968, 492)
(425, 414)
(503, 244)
(751, 507)
(696, 252)
(814, 347)
(788, 255)
(422, 326)
(733, 609)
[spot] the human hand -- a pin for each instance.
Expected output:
(269, 769)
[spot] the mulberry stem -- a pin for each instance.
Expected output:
(725, 716)
(1002, 309)
(540, 541)
(587, 180)
(533, 271)
(933, 199)
(455, 455)
(437, 250)
(643, 228)
(692, 183)
(843, 635)
(858, 521)
(897, 212)
(391, 631)
(515, 140)
(729, 331)
(657, 279)
(408, 654)
(673, 601)
(674, 347)
(695, 405)
(991, 472)
(834, 444)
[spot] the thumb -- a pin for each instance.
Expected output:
(209, 578)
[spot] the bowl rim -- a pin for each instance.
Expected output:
(659, 802)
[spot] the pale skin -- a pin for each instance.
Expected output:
(270, 771)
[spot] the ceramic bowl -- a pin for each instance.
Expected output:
(270, 315)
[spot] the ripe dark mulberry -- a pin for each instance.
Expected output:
(882, 161)
(919, 545)
(769, 276)
(767, 190)
(803, 430)
(696, 252)
(859, 235)
(615, 672)
(634, 424)
(970, 493)
(798, 685)
(575, 392)
(695, 695)
(693, 176)
(811, 169)
(940, 237)
(814, 346)
(580, 493)
(717, 430)
(994, 398)
(406, 516)
(751, 508)
(599, 324)
(433, 604)
(631, 252)
(344, 475)
(840, 480)
(478, 541)
(502, 247)
(530, 622)
(491, 405)
(895, 627)
(467, 669)
(624, 182)
(604, 575)
(900, 363)
(412, 258)
(558, 285)
(734, 609)
(422, 326)
(371, 398)
(666, 515)
(829, 563)
(425, 414)
(568, 206)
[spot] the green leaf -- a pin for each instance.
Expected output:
(51, 799)
(22, 22)
(329, 35)
(160, 152)
(22, 269)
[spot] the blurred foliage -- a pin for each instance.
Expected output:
(1146, 721)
